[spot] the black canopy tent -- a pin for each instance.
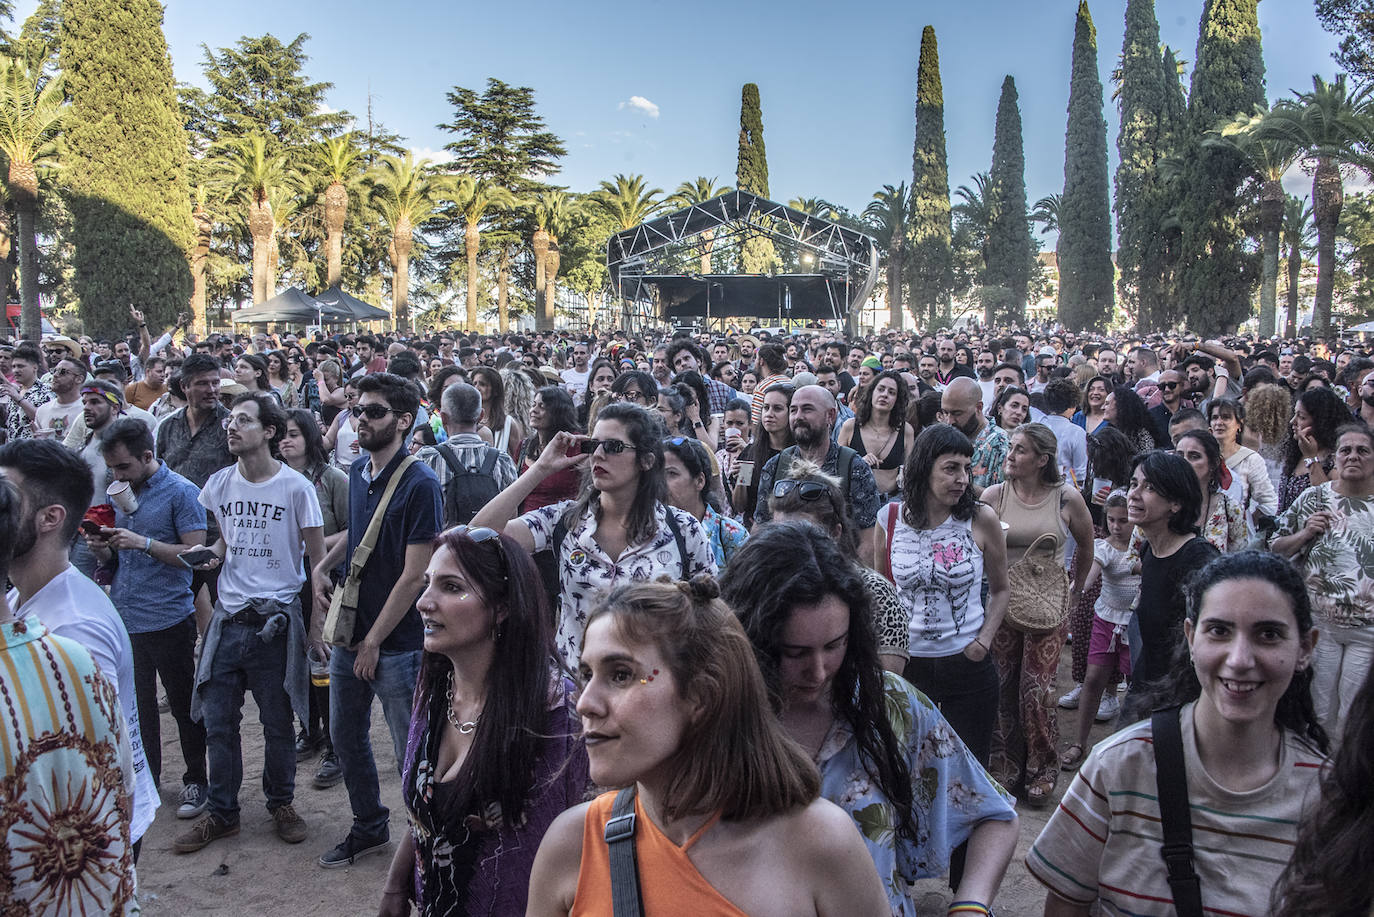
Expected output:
(355, 307)
(839, 266)
(293, 306)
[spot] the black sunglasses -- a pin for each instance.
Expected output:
(612, 446)
(632, 395)
(807, 490)
(478, 533)
(1168, 386)
(372, 411)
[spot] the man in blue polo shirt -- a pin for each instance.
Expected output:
(384, 659)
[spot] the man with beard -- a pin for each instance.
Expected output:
(985, 364)
(948, 368)
(833, 355)
(56, 417)
(925, 370)
(55, 493)
(269, 518)
(383, 658)
(962, 408)
(1204, 375)
(1171, 386)
(684, 356)
(811, 418)
(575, 377)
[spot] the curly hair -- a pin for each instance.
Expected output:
(1132, 418)
(863, 403)
(1328, 412)
(1268, 408)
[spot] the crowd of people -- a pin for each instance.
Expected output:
(707, 621)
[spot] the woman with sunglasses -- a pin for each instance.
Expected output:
(342, 436)
(618, 529)
(494, 752)
(694, 487)
(886, 755)
(772, 434)
(727, 817)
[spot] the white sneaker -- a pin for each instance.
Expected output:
(1108, 708)
(1070, 701)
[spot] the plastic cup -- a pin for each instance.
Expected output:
(319, 669)
(1101, 488)
(122, 496)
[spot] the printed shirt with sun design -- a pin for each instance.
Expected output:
(951, 792)
(1339, 565)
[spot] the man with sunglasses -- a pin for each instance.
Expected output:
(56, 417)
(382, 660)
(1170, 401)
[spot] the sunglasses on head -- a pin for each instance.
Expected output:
(612, 446)
(372, 411)
(478, 533)
(807, 490)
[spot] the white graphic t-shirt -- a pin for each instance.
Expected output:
(261, 525)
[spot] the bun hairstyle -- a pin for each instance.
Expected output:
(701, 590)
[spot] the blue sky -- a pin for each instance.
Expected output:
(837, 79)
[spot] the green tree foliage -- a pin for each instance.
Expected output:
(757, 255)
(931, 270)
(1353, 20)
(888, 217)
(1218, 268)
(1357, 244)
(499, 137)
(1086, 274)
(125, 168)
(1297, 225)
(1011, 250)
(407, 195)
(1146, 90)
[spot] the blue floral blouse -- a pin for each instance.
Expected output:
(725, 534)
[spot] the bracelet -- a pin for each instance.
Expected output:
(148, 545)
(982, 644)
(968, 907)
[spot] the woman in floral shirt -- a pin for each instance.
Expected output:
(693, 487)
(886, 755)
(1222, 520)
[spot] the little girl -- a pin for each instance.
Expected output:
(1114, 561)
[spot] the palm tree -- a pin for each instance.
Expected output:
(889, 215)
(627, 201)
(407, 194)
(1270, 155)
(31, 111)
(1297, 226)
(553, 211)
(1046, 213)
(200, 254)
(699, 192)
(1329, 127)
(339, 162)
(814, 206)
(251, 171)
(976, 211)
(285, 205)
(475, 197)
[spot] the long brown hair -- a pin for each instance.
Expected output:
(734, 756)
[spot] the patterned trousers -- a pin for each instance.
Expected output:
(1026, 738)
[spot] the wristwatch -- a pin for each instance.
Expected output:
(1307, 463)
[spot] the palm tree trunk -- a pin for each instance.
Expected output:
(708, 242)
(1294, 275)
(503, 286)
(895, 303)
(540, 244)
(1327, 199)
(199, 256)
(335, 210)
(260, 226)
(471, 238)
(6, 249)
(550, 284)
(1272, 198)
(402, 240)
(23, 182)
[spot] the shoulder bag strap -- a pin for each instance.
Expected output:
(369, 541)
(1171, 783)
(893, 509)
(678, 537)
(626, 900)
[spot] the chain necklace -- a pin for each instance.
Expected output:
(463, 727)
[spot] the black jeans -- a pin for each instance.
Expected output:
(169, 653)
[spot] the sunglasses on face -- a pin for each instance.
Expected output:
(807, 490)
(632, 395)
(372, 411)
(612, 446)
(1168, 386)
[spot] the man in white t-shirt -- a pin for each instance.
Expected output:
(56, 490)
(55, 417)
(575, 378)
(269, 518)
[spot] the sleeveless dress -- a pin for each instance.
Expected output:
(939, 574)
(668, 881)
(343, 445)
(895, 455)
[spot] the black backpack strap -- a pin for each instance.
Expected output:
(844, 465)
(449, 459)
(1171, 783)
(493, 455)
(678, 537)
(626, 900)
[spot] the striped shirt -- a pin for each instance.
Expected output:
(1103, 842)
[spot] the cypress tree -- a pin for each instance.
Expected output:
(1216, 275)
(757, 255)
(1086, 274)
(1139, 197)
(931, 258)
(125, 164)
(1011, 251)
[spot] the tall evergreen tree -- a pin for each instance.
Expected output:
(931, 271)
(1011, 251)
(1141, 197)
(1216, 274)
(126, 163)
(1086, 275)
(757, 255)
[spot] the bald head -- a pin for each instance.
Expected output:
(811, 416)
(824, 400)
(962, 405)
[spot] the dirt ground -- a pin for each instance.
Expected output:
(255, 873)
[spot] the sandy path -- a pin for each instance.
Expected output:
(256, 873)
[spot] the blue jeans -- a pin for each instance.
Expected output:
(350, 722)
(242, 660)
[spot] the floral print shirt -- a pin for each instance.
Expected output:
(1225, 528)
(951, 792)
(17, 423)
(1339, 564)
(989, 455)
(727, 536)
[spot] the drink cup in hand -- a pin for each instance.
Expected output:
(122, 496)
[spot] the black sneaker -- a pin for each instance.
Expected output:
(194, 801)
(330, 772)
(210, 828)
(352, 849)
(307, 743)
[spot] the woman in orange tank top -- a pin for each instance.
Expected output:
(728, 819)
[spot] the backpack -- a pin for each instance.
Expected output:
(468, 490)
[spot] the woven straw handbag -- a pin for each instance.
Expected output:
(1039, 600)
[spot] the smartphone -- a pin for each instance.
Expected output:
(89, 527)
(197, 556)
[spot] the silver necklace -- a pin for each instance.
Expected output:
(464, 727)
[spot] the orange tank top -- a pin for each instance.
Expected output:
(668, 882)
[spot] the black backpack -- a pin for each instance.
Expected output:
(467, 491)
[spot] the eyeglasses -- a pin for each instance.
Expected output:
(612, 446)
(1168, 386)
(807, 490)
(628, 395)
(372, 411)
(238, 420)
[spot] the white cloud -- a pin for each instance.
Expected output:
(435, 157)
(640, 104)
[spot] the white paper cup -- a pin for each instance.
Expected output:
(122, 496)
(1101, 488)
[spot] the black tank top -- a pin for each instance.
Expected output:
(894, 457)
